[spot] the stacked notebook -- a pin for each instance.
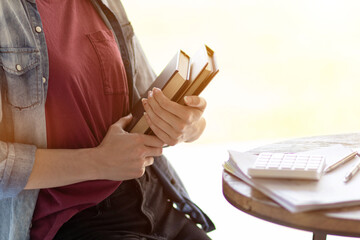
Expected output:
(303, 195)
(183, 76)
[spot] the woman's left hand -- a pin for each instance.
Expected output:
(174, 123)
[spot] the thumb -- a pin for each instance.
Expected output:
(195, 101)
(124, 121)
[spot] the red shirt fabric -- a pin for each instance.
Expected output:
(87, 93)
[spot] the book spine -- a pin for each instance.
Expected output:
(137, 113)
(141, 126)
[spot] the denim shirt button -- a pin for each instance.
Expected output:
(18, 67)
(43, 80)
(38, 29)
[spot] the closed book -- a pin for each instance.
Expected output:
(172, 80)
(203, 68)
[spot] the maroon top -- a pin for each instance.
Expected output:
(87, 93)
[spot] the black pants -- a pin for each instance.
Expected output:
(138, 209)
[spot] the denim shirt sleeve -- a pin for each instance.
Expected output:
(16, 162)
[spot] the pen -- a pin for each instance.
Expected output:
(342, 161)
(352, 172)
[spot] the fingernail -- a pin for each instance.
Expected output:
(188, 99)
(144, 101)
(146, 115)
(150, 93)
(156, 90)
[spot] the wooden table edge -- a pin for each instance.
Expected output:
(263, 210)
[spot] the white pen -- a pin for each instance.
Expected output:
(342, 161)
(352, 172)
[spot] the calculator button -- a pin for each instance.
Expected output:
(286, 167)
(260, 167)
(298, 168)
(275, 162)
(273, 167)
(266, 154)
(303, 165)
(312, 167)
(289, 160)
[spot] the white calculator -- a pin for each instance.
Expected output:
(287, 165)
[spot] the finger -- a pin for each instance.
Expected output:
(170, 106)
(124, 121)
(164, 136)
(148, 161)
(161, 118)
(183, 114)
(153, 151)
(152, 141)
(195, 101)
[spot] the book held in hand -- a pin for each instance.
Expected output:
(183, 76)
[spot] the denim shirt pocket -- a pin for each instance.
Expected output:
(111, 64)
(21, 68)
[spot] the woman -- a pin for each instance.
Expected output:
(70, 71)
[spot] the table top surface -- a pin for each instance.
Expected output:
(338, 221)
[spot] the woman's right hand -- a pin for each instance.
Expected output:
(122, 155)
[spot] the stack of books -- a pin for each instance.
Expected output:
(183, 76)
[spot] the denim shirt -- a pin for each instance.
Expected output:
(24, 70)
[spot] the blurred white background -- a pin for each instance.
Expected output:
(287, 69)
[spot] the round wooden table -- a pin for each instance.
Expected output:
(339, 221)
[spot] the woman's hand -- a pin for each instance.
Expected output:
(174, 123)
(122, 155)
